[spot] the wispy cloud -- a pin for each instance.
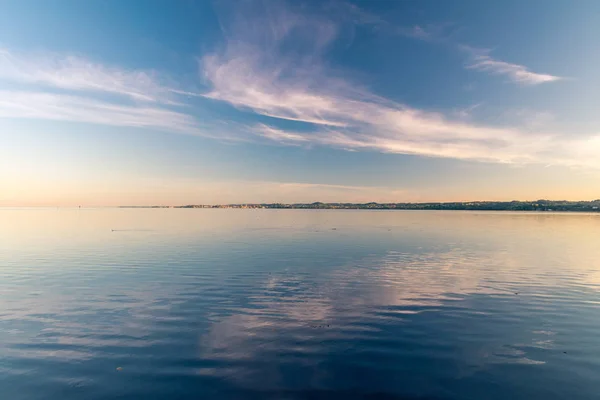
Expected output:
(254, 72)
(425, 137)
(264, 76)
(63, 107)
(433, 32)
(482, 61)
(71, 88)
(76, 73)
(466, 113)
(280, 136)
(274, 64)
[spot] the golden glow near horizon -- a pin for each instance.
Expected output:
(63, 177)
(180, 192)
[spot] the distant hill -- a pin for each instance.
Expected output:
(537, 205)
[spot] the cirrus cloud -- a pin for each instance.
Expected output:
(72, 72)
(256, 71)
(516, 73)
(57, 87)
(274, 67)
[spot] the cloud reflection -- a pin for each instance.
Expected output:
(361, 303)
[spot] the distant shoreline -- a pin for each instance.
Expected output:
(538, 205)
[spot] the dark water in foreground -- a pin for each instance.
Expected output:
(252, 304)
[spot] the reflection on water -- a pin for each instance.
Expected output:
(293, 304)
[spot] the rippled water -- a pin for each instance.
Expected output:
(291, 304)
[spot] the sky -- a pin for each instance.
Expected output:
(112, 102)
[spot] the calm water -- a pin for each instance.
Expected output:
(252, 304)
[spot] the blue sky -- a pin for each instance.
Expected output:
(157, 102)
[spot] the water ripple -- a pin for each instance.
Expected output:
(226, 305)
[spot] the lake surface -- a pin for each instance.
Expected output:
(295, 304)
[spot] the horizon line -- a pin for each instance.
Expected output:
(305, 203)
